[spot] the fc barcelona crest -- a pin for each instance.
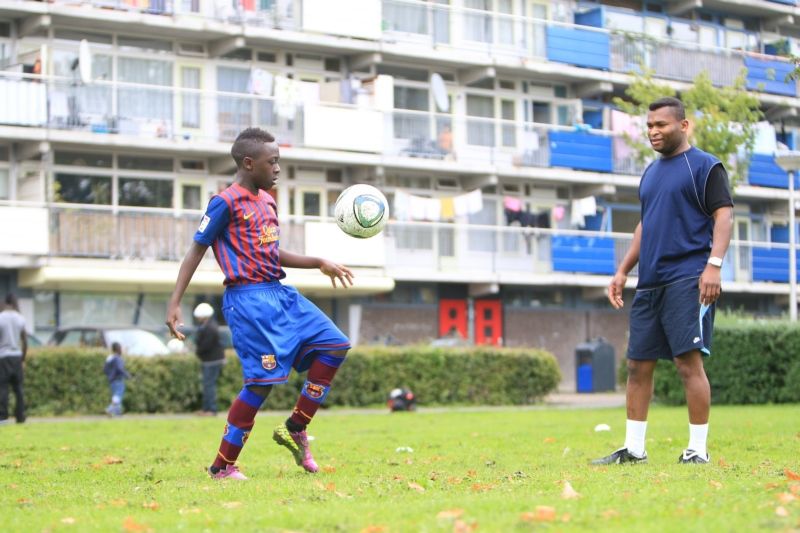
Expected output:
(315, 391)
(268, 362)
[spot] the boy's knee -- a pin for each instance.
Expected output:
(260, 390)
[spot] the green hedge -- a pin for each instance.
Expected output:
(751, 363)
(67, 380)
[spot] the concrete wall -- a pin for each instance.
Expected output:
(555, 330)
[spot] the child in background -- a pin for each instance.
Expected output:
(116, 374)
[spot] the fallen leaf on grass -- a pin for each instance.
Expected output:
(471, 473)
(794, 488)
(330, 487)
(25, 501)
(374, 529)
(566, 517)
(450, 514)
(543, 513)
(770, 486)
(231, 505)
(132, 525)
(193, 510)
(118, 503)
(791, 475)
(151, 505)
(459, 526)
(329, 469)
(481, 487)
(109, 460)
(68, 520)
(318, 484)
(549, 440)
(723, 463)
(415, 486)
(716, 484)
(610, 513)
(781, 511)
(786, 497)
(568, 493)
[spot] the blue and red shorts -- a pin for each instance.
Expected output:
(275, 328)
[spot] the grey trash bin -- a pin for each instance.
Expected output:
(595, 368)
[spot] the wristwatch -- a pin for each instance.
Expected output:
(715, 261)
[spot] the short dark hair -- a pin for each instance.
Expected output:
(11, 299)
(670, 101)
(116, 347)
(248, 143)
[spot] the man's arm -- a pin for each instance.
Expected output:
(628, 262)
(188, 267)
(332, 270)
(23, 339)
(710, 280)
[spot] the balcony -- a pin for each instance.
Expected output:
(405, 250)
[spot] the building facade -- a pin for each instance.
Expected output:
(488, 124)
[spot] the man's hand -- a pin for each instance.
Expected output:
(615, 290)
(174, 320)
(710, 285)
(336, 271)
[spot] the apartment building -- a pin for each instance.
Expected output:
(489, 124)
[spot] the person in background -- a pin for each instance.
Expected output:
(116, 374)
(13, 348)
(211, 353)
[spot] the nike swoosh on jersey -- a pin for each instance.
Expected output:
(248, 215)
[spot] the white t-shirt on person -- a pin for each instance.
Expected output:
(12, 324)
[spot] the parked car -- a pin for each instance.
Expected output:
(134, 341)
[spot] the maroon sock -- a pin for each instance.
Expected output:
(314, 391)
(241, 418)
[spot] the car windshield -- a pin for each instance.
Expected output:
(137, 342)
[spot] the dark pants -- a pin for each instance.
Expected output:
(11, 374)
(211, 373)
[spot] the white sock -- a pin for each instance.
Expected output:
(634, 436)
(698, 433)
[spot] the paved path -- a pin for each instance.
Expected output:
(558, 400)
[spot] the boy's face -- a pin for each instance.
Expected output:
(264, 167)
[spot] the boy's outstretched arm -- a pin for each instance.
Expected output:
(329, 268)
(188, 266)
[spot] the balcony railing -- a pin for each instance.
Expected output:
(413, 248)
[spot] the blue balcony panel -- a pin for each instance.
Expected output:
(593, 255)
(583, 48)
(581, 151)
(764, 171)
(770, 264)
(769, 76)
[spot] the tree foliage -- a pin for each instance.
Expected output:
(722, 120)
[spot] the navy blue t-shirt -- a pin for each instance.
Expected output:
(677, 226)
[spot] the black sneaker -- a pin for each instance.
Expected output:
(691, 456)
(620, 456)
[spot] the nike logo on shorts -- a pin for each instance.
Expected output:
(696, 340)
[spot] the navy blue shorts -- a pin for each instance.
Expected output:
(274, 328)
(670, 321)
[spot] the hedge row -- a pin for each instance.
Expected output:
(59, 381)
(751, 363)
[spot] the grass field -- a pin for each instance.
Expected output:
(497, 470)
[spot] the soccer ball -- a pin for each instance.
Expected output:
(361, 211)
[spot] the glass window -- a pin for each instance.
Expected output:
(79, 35)
(97, 309)
(83, 159)
(4, 185)
(190, 101)
(143, 192)
(3, 153)
(478, 26)
(145, 163)
(191, 196)
(480, 132)
(136, 103)
(411, 98)
(82, 189)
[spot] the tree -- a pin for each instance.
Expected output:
(722, 120)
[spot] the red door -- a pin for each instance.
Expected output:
(453, 315)
(488, 322)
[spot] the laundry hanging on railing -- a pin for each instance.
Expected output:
(582, 208)
(411, 207)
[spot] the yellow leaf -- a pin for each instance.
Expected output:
(723, 463)
(794, 488)
(781, 511)
(330, 487)
(716, 484)
(459, 526)
(193, 510)
(549, 440)
(109, 460)
(610, 513)
(566, 517)
(118, 503)
(786, 497)
(415, 486)
(542, 513)
(329, 469)
(791, 475)
(450, 514)
(373, 529)
(568, 493)
(151, 505)
(68, 520)
(132, 525)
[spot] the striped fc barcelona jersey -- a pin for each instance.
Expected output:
(242, 229)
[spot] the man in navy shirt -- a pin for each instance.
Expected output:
(687, 219)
